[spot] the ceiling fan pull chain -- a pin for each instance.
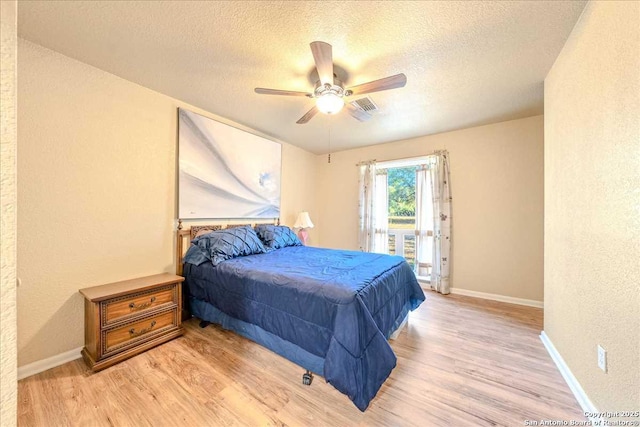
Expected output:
(329, 155)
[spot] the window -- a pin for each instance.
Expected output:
(401, 201)
(401, 205)
(401, 184)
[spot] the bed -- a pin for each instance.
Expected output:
(329, 311)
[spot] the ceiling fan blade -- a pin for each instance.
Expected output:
(358, 114)
(264, 91)
(392, 82)
(304, 119)
(323, 57)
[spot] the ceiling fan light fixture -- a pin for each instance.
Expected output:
(329, 91)
(330, 103)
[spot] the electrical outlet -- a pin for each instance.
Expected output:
(602, 358)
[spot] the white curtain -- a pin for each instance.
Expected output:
(424, 221)
(441, 190)
(381, 223)
(373, 201)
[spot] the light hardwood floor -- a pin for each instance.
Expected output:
(461, 362)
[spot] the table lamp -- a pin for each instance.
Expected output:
(303, 222)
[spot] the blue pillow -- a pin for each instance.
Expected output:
(196, 256)
(277, 236)
(222, 245)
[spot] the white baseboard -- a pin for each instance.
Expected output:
(572, 382)
(48, 363)
(496, 297)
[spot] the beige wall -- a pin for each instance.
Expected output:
(8, 389)
(592, 203)
(497, 188)
(97, 192)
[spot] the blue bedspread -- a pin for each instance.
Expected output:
(338, 305)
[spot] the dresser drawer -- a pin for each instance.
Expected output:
(137, 331)
(137, 304)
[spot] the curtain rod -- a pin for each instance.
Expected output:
(402, 158)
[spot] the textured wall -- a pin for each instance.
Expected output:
(97, 186)
(497, 186)
(8, 208)
(592, 203)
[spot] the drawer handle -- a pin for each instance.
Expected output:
(144, 305)
(133, 332)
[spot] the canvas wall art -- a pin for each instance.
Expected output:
(225, 172)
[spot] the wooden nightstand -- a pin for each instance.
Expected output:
(125, 318)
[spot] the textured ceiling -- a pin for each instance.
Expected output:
(467, 63)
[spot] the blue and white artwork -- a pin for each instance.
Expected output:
(225, 172)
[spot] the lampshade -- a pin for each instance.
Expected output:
(330, 103)
(303, 221)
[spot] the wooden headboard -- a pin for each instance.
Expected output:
(185, 235)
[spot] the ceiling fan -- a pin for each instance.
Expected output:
(329, 91)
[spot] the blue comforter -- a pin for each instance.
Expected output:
(338, 305)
